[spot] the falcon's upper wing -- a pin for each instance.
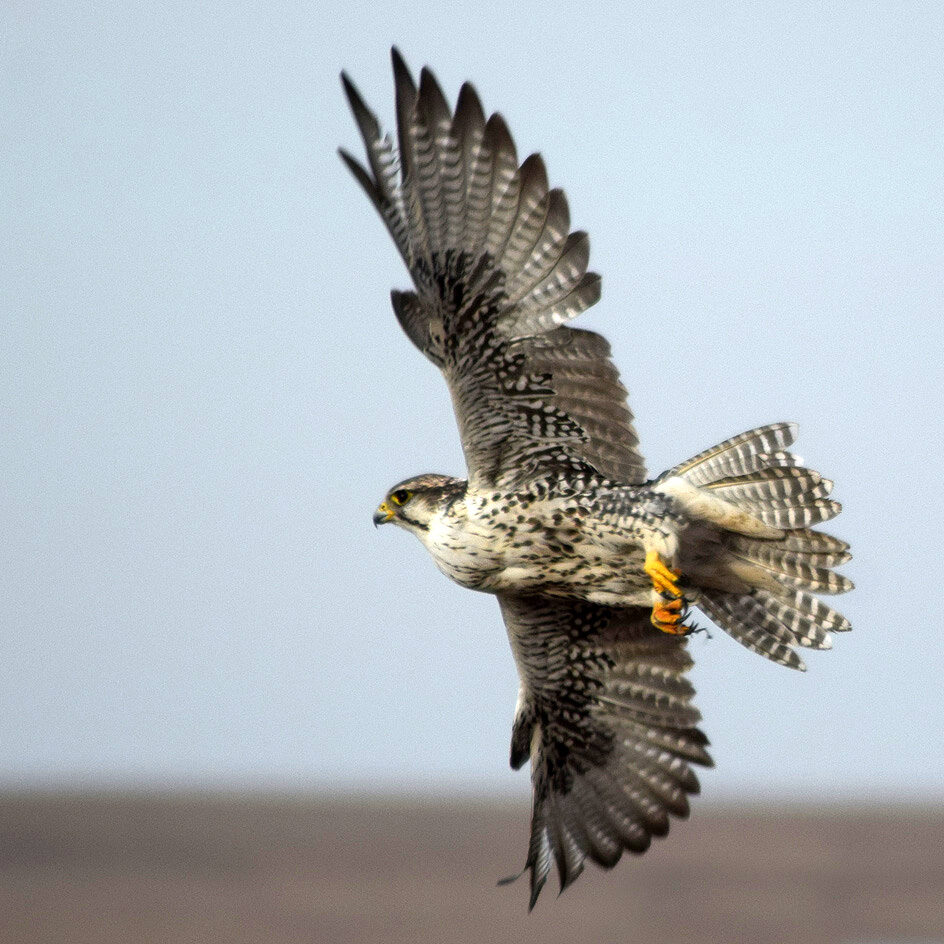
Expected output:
(497, 274)
(604, 715)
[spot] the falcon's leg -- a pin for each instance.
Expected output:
(668, 608)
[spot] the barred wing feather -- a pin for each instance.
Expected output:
(606, 719)
(497, 275)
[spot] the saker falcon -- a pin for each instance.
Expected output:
(595, 566)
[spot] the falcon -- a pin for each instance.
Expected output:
(597, 567)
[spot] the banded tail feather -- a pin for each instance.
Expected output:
(759, 586)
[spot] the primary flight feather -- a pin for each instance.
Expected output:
(596, 568)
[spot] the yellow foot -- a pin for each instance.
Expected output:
(664, 581)
(669, 611)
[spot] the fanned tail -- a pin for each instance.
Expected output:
(762, 504)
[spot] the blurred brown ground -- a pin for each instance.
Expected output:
(209, 868)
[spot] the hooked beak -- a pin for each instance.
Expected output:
(383, 514)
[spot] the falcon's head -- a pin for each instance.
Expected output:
(413, 503)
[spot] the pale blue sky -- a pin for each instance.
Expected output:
(204, 391)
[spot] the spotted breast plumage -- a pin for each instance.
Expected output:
(597, 568)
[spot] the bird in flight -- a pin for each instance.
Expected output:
(597, 567)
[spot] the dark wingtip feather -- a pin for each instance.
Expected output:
(362, 177)
(565, 884)
(498, 138)
(568, 879)
(405, 95)
(365, 118)
(469, 112)
(534, 173)
(403, 80)
(399, 63)
(356, 168)
(431, 98)
(537, 883)
(350, 89)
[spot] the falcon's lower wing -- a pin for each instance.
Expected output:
(605, 717)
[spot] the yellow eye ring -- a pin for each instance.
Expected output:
(401, 496)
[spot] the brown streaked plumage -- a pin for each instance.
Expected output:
(595, 567)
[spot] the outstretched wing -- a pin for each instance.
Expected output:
(497, 274)
(605, 717)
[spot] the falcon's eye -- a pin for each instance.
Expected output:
(401, 496)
